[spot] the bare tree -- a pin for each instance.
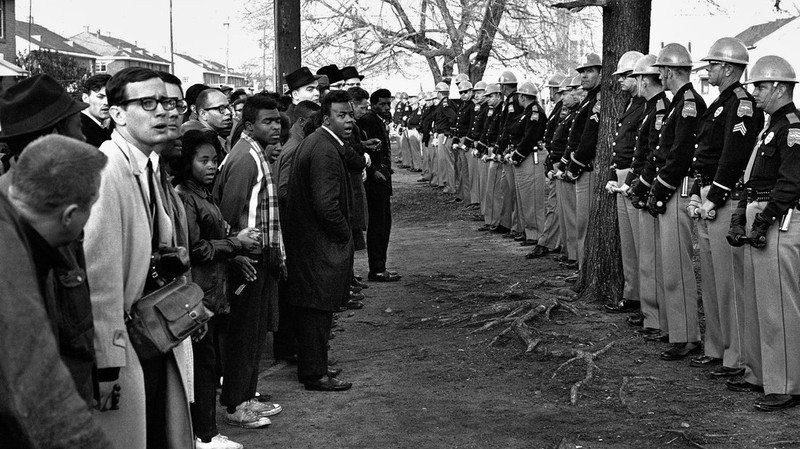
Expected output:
(626, 26)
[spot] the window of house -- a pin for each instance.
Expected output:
(2, 19)
(100, 66)
(704, 86)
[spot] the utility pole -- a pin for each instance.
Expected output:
(227, 46)
(30, 23)
(171, 43)
(287, 40)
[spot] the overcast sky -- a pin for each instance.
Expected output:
(199, 29)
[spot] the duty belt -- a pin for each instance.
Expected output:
(702, 179)
(757, 195)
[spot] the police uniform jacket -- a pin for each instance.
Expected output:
(479, 112)
(463, 118)
(444, 117)
(582, 143)
(728, 132)
(491, 128)
(532, 124)
(647, 139)
(401, 113)
(414, 119)
(552, 122)
(673, 155)
(558, 146)
(426, 123)
(511, 113)
(776, 167)
(625, 136)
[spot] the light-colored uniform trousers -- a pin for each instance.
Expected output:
(415, 148)
(475, 177)
(444, 164)
(509, 212)
(723, 293)
(405, 149)
(529, 194)
(432, 160)
(628, 221)
(496, 188)
(550, 236)
(751, 332)
(427, 173)
(483, 172)
(584, 195)
(566, 204)
(651, 281)
(463, 180)
(778, 301)
(680, 287)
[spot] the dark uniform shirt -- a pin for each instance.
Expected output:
(491, 128)
(444, 117)
(414, 119)
(647, 137)
(725, 140)
(558, 146)
(511, 113)
(479, 112)
(552, 122)
(582, 143)
(625, 136)
(401, 113)
(463, 119)
(776, 167)
(426, 123)
(673, 155)
(528, 131)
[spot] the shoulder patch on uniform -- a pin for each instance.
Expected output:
(596, 107)
(689, 109)
(740, 92)
(792, 117)
(444, 102)
(688, 94)
(535, 115)
(490, 112)
(661, 105)
(510, 108)
(477, 108)
(659, 121)
(745, 108)
(793, 137)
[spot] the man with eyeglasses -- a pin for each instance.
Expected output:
(137, 212)
(171, 150)
(214, 112)
(335, 80)
(351, 77)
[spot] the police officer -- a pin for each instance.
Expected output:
(460, 132)
(443, 120)
(402, 112)
(582, 146)
(668, 173)
(495, 192)
(653, 314)
(511, 113)
(428, 144)
(773, 190)
(549, 238)
(477, 169)
(565, 191)
(527, 161)
(627, 216)
(728, 132)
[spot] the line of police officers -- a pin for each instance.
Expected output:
(680, 168)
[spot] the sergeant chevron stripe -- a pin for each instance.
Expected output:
(739, 127)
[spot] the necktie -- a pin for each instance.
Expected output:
(748, 170)
(153, 209)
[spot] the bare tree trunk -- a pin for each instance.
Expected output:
(488, 29)
(287, 39)
(626, 26)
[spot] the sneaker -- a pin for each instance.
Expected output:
(218, 442)
(263, 409)
(244, 417)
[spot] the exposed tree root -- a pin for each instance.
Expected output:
(579, 354)
(525, 333)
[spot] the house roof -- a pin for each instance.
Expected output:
(108, 46)
(49, 40)
(755, 33)
(209, 65)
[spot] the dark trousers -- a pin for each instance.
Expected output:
(313, 329)
(248, 323)
(207, 364)
(284, 340)
(378, 231)
(167, 418)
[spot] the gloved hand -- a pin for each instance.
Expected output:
(611, 186)
(623, 189)
(758, 232)
(475, 154)
(456, 141)
(737, 236)
(574, 171)
(693, 208)
(517, 157)
(655, 206)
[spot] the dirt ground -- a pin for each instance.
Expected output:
(422, 381)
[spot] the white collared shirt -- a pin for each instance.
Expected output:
(333, 134)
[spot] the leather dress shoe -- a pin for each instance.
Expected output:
(358, 283)
(561, 258)
(623, 306)
(662, 337)
(538, 251)
(704, 360)
(743, 386)
(328, 384)
(354, 305)
(680, 350)
(648, 330)
(484, 228)
(528, 242)
(773, 402)
(383, 277)
(500, 230)
(355, 288)
(636, 320)
(520, 238)
(333, 372)
(569, 264)
(510, 235)
(356, 296)
(726, 371)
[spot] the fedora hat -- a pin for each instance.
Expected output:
(332, 72)
(35, 104)
(299, 78)
(350, 72)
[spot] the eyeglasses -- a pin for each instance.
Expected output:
(352, 84)
(151, 103)
(221, 108)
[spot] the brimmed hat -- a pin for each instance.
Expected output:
(350, 72)
(332, 72)
(35, 104)
(299, 78)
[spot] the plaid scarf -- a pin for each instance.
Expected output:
(269, 217)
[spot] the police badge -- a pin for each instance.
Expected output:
(793, 137)
(659, 121)
(745, 108)
(477, 108)
(769, 137)
(718, 112)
